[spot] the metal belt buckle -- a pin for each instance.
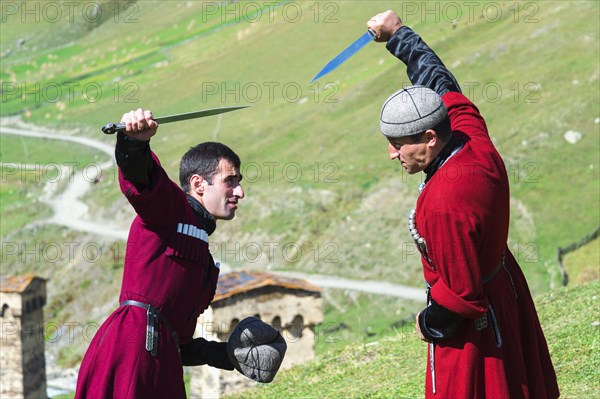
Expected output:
(481, 323)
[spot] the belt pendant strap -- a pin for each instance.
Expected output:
(152, 318)
(151, 332)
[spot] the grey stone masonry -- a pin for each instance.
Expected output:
(22, 361)
(290, 305)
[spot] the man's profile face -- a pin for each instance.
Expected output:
(221, 197)
(412, 155)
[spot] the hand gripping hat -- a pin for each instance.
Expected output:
(256, 349)
(410, 111)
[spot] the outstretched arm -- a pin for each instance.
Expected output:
(141, 178)
(423, 66)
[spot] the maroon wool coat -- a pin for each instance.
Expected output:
(463, 214)
(173, 272)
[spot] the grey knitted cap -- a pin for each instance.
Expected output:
(256, 349)
(410, 111)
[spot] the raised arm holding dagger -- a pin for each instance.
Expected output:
(485, 339)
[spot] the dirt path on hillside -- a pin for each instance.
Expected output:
(67, 206)
(369, 287)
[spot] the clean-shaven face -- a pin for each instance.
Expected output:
(221, 197)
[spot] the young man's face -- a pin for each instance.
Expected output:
(221, 197)
(413, 156)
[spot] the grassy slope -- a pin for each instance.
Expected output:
(582, 265)
(18, 206)
(186, 59)
(42, 152)
(170, 57)
(394, 367)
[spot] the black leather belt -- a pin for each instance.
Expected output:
(487, 279)
(152, 317)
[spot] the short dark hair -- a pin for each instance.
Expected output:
(203, 160)
(442, 129)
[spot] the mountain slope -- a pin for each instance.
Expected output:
(321, 194)
(313, 155)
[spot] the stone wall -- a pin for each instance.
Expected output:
(11, 349)
(295, 313)
(22, 361)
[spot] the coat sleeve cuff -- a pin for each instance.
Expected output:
(134, 159)
(438, 323)
(471, 309)
(200, 351)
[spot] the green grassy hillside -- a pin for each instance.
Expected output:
(321, 195)
(394, 367)
(317, 174)
(582, 264)
(18, 204)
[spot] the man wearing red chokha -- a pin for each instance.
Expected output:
(485, 339)
(169, 277)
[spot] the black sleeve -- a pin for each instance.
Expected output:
(423, 65)
(200, 351)
(438, 323)
(135, 160)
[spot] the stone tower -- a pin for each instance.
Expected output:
(22, 362)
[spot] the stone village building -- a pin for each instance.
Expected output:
(22, 361)
(292, 306)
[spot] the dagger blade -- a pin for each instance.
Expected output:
(342, 57)
(112, 128)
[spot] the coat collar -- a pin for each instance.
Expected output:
(205, 219)
(452, 147)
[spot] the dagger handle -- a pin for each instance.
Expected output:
(112, 128)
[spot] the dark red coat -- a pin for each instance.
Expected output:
(463, 214)
(173, 272)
